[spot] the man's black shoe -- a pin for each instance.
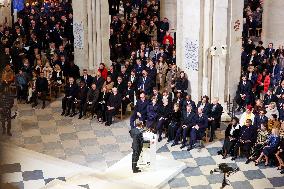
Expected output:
(247, 161)
(190, 148)
(173, 144)
(182, 146)
(219, 152)
(137, 171)
(63, 113)
(9, 134)
(80, 117)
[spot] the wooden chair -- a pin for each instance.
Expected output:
(258, 32)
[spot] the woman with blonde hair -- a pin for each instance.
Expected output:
(270, 148)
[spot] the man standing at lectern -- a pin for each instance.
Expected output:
(137, 144)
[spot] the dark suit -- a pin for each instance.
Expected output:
(269, 98)
(244, 89)
(269, 52)
(81, 99)
(206, 108)
(202, 122)
(188, 119)
(245, 141)
(113, 101)
(92, 99)
(145, 84)
(137, 144)
(70, 94)
(127, 100)
(41, 88)
(164, 113)
(102, 103)
(215, 113)
(140, 107)
(88, 80)
(99, 82)
(258, 120)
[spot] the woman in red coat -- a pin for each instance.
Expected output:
(168, 38)
(263, 82)
(103, 70)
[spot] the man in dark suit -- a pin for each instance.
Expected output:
(188, 101)
(260, 119)
(92, 99)
(88, 79)
(269, 97)
(137, 144)
(41, 88)
(244, 93)
(188, 120)
(270, 50)
(214, 117)
(81, 98)
(140, 110)
(157, 94)
(128, 97)
(247, 133)
(99, 81)
(198, 130)
(120, 85)
(275, 72)
(113, 106)
(145, 83)
(70, 93)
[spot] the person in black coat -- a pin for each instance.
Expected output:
(70, 93)
(128, 96)
(81, 98)
(260, 119)
(188, 101)
(88, 79)
(41, 89)
(157, 94)
(140, 110)
(174, 122)
(92, 99)
(198, 130)
(164, 112)
(205, 105)
(152, 113)
(231, 135)
(145, 83)
(269, 97)
(182, 84)
(99, 81)
(280, 90)
(120, 85)
(102, 105)
(188, 119)
(136, 134)
(247, 133)
(113, 106)
(244, 94)
(214, 117)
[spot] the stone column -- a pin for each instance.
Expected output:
(95, 19)
(273, 22)
(189, 52)
(80, 17)
(235, 28)
(219, 40)
(168, 8)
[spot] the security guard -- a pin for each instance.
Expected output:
(137, 144)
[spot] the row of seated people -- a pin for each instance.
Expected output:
(178, 116)
(255, 143)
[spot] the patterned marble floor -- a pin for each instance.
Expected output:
(93, 145)
(85, 142)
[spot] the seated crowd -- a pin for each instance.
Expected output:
(260, 95)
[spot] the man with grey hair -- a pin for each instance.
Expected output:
(113, 105)
(188, 120)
